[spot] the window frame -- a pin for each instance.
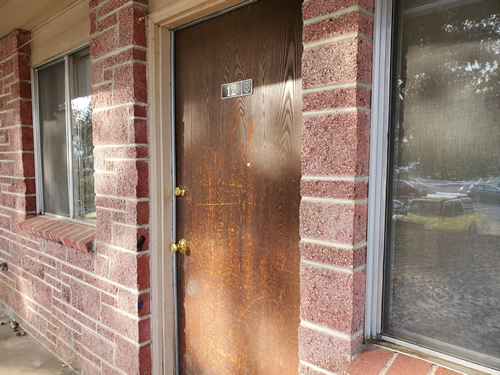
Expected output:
(67, 58)
(379, 181)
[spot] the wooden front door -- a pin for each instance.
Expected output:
(239, 160)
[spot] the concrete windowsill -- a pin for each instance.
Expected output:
(71, 234)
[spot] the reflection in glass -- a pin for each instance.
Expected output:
(83, 157)
(53, 139)
(442, 280)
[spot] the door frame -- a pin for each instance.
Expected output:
(161, 23)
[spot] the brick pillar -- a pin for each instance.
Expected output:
(336, 77)
(17, 173)
(119, 100)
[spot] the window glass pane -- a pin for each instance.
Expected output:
(83, 157)
(53, 139)
(442, 271)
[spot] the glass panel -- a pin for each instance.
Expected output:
(442, 271)
(83, 157)
(53, 139)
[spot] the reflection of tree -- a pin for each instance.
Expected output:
(449, 92)
(83, 157)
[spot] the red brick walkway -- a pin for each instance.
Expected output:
(374, 360)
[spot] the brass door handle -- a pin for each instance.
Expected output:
(179, 191)
(180, 246)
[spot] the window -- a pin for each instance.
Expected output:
(64, 150)
(433, 271)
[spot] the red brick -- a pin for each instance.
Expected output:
(340, 98)
(110, 126)
(86, 299)
(130, 84)
(132, 26)
(336, 145)
(445, 371)
(105, 183)
(346, 23)
(143, 272)
(138, 132)
(102, 44)
(98, 345)
(133, 179)
(348, 258)
(334, 189)
(103, 226)
(107, 22)
(326, 352)
(370, 361)
(406, 365)
(332, 299)
(317, 8)
(132, 358)
(332, 222)
(340, 62)
(101, 97)
(137, 213)
(120, 322)
(123, 268)
(97, 69)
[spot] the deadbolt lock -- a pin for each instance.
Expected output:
(180, 246)
(179, 191)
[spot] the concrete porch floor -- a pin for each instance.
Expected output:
(24, 355)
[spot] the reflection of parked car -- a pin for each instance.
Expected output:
(396, 206)
(426, 187)
(495, 182)
(443, 212)
(406, 189)
(482, 192)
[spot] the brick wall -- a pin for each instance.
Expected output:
(336, 77)
(91, 308)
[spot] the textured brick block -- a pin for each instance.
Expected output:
(324, 351)
(334, 189)
(110, 126)
(340, 62)
(336, 145)
(341, 98)
(103, 43)
(346, 23)
(332, 299)
(132, 26)
(334, 256)
(120, 322)
(341, 223)
(98, 345)
(318, 8)
(85, 299)
(130, 238)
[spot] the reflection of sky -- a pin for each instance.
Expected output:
(81, 108)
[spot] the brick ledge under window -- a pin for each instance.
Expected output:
(74, 235)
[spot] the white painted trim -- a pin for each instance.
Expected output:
(161, 211)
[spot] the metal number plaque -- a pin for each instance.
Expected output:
(235, 89)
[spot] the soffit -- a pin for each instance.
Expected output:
(27, 14)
